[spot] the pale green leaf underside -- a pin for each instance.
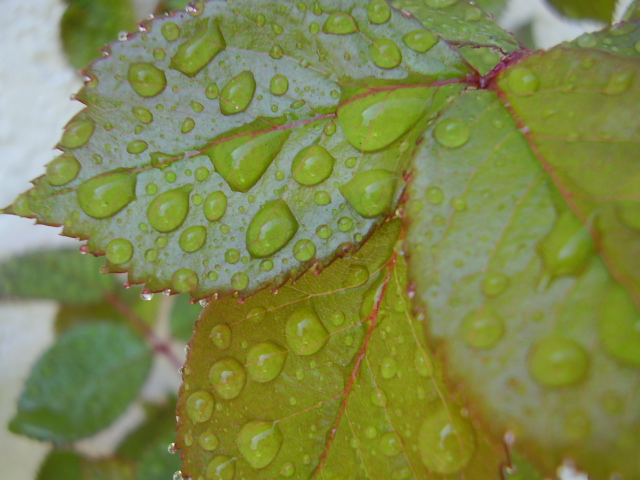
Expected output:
(175, 158)
(529, 308)
(345, 388)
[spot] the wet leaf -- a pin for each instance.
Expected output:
(601, 10)
(216, 147)
(517, 251)
(62, 275)
(331, 375)
(82, 383)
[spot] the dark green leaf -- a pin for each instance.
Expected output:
(88, 25)
(601, 10)
(165, 6)
(62, 275)
(330, 378)
(193, 188)
(82, 383)
(65, 465)
(183, 316)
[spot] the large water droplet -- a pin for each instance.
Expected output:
(107, 194)
(452, 132)
(146, 79)
(312, 165)
(244, 156)
(446, 442)
(237, 93)
(259, 442)
(62, 170)
(482, 329)
(522, 81)
(184, 280)
(221, 336)
(375, 120)
(270, 229)
(215, 206)
(221, 467)
(340, 23)
(192, 238)
(620, 326)
(568, 247)
(77, 133)
(370, 193)
(265, 361)
(558, 361)
(420, 40)
(619, 83)
(305, 332)
(385, 53)
(119, 250)
(194, 54)
(378, 11)
(169, 209)
(227, 376)
(200, 406)
(279, 85)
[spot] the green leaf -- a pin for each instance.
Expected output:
(330, 378)
(517, 253)
(165, 6)
(601, 10)
(66, 465)
(632, 12)
(83, 383)
(620, 40)
(215, 145)
(493, 7)
(61, 275)
(182, 317)
(88, 25)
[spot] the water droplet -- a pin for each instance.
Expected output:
(107, 194)
(371, 192)
(373, 121)
(142, 114)
(265, 361)
(146, 79)
(568, 247)
(452, 132)
(119, 251)
(232, 255)
(62, 170)
(270, 229)
(482, 329)
(446, 442)
(277, 29)
(312, 165)
(259, 442)
(276, 52)
(212, 91)
(298, 104)
(168, 210)
(227, 376)
(172, 448)
(379, 398)
(243, 159)
(215, 206)
(279, 85)
(304, 250)
(192, 238)
(159, 53)
(305, 332)
(378, 12)
(77, 133)
(340, 23)
(385, 53)
(522, 81)
(435, 195)
(388, 367)
(261, 20)
(221, 336)
(170, 31)
(620, 326)
(345, 224)
(330, 128)
(266, 265)
(257, 314)
(208, 441)
(221, 467)
(358, 275)
(200, 406)
(184, 280)
(238, 93)
(558, 361)
(324, 232)
(239, 281)
(587, 40)
(196, 53)
(390, 445)
(177, 475)
(459, 204)
(494, 284)
(322, 197)
(619, 83)
(288, 469)
(137, 146)
(576, 426)
(187, 125)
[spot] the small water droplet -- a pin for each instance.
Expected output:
(482, 329)
(288, 469)
(221, 336)
(137, 146)
(619, 83)
(270, 229)
(358, 275)
(587, 40)
(389, 444)
(371, 192)
(324, 232)
(192, 238)
(435, 195)
(227, 377)
(378, 12)
(212, 91)
(77, 133)
(200, 406)
(238, 93)
(279, 85)
(184, 280)
(379, 398)
(558, 361)
(305, 332)
(340, 23)
(494, 284)
(452, 132)
(265, 361)
(169, 210)
(105, 195)
(146, 79)
(119, 251)
(304, 250)
(312, 165)
(172, 448)
(385, 53)
(170, 31)
(62, 170)
(420, 41)
(142, 114)
(276, 52)
(345, 224)
(259, 442)
(187, 125)
(322, 197)
(239, 281)
(522, 81)
(388, 367)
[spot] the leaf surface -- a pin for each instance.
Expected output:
(522, 294)
(230, 148)
(600, 10)
(61, 275)
(82, 383)
(67, 465)
(331, 375)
